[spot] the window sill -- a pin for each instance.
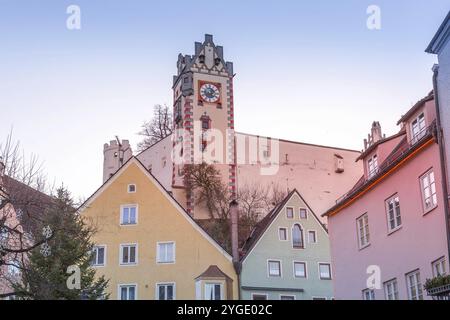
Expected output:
(164, 262)
(128, 264)
(394, 230)
(429, 210)
(98, 266)
(326, 279)
(364, 247)
(128, 224)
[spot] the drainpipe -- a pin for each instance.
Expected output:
(442, 159)
(234, 215)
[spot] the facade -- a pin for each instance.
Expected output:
(287, 256)
(388, 234)
(149, 247)
(203, 95)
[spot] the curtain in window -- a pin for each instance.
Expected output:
(297, 237)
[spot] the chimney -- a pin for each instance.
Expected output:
(234, 213)
(376, 131)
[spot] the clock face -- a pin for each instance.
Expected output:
(209, 92)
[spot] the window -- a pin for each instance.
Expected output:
(205, 123)
(438, 267)
(131, 188)
(213, 291)
(303, 213)
(394, 219)
(287, 297)
(428, 191)
(98, 256)
(127, 292)
(257, 296)
(297, 237)
(312, 236)
(391, 290)
(274, 268)
(368, 294)
(282, 234)
(128, 254)
(128, 215)
(165, 291)
(299, 270)
(414, 286)
(362, 224)
(290, 213)
(418, 128)
(372, 166)
(325, 271)
(166, 252)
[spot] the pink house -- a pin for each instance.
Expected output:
(388, 233)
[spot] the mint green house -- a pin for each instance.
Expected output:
(287, 255)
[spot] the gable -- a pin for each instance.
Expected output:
(269, 236)
(161, 211)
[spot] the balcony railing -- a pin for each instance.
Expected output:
(440, 293)
(395, 157)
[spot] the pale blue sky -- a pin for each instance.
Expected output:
(306, 70)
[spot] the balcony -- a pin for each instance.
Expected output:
(399, 153)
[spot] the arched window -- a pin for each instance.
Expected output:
(297, 237)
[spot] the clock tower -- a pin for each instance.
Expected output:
(203, 102)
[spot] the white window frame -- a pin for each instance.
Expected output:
(122, 207)
(390, 289)
(131, 185)
(96, 265)
(421, 127)
(119, 290)
(417, 285)
(165, 284)
(441, 264)
(122, 245)
(371, 293)
(268, 268)
(396, 213)
(302, 234)
(372, 166)
(299, 213)
(293, 213)
(279, 234)
(288, 295)
(433, 195)
(331, 271)
(315, 236)
(158, 261)
(259, 294)
(306, 269)
(365, 228)
(211, 283)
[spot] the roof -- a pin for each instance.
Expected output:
(298, 142)
(399, 154)
(264, 224)
(376, 144)
(165, 192)
(30, 202)
(213, 271)
(441, 35)
(417, 106)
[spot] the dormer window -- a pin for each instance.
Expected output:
(418, 128)
(217, 61)
(372, 166)
(201, 58)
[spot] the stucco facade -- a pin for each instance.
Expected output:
(389, 228)
(267, 245)
(158, 219)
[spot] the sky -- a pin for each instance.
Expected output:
(308, 71)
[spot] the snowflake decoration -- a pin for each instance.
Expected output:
(47, 232)
(45, 249)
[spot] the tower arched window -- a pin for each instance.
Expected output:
(297, 237)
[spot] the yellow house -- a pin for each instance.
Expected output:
(149, 247)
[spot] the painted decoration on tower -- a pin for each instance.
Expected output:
(209, 92)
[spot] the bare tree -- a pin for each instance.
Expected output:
(204, 183)
(159, 127)
(21, 207)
